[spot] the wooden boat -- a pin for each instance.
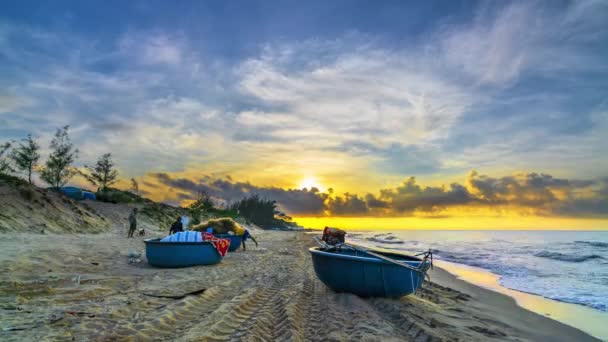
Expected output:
(356, 271)
(235, 241)
(181, 254)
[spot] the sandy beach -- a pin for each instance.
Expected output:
(82, 287)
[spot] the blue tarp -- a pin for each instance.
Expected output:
(72, 192)
(78, 193)
(87, 195)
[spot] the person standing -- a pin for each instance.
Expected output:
(132, 222)
(177, 226)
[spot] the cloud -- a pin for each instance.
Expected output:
(521, 193)
(502, 87)
(10, 103)
(293, 201)
(360, 94)
(411, 197)
(347, 205)
(157, 48)
(494, 49)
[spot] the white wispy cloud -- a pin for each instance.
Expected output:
(348, 102)
(156, 48)
(370, 95)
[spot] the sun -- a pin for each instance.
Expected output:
(309, 183)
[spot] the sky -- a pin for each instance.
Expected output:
(435, 113)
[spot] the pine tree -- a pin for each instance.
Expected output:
(103, 174)
(26, 156)
(58, 168)
(5, 165)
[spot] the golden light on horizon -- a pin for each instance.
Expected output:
(454, 223)
(309, 183)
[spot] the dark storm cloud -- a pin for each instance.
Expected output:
(409, 197)
(539, 193)
(293, 201)
(347, 205)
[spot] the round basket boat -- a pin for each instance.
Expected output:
(360, 273)
(181, 254)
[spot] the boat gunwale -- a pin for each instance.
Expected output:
(174, 243)
(318, 251)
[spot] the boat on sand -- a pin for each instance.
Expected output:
(346, 268)
(181, 254)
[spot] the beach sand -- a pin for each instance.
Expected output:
(82, 287)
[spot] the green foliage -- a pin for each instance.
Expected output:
(5, 165)
(118, 196)
(262, 212)
(103, 174)
(58, 168)
(26, 156)
(203, 208)
(11, 180)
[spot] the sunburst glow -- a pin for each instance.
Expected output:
(309, 183)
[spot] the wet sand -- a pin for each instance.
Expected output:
(82, 287)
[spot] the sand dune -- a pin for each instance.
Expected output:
(81, 287)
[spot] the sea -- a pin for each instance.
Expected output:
(566, 266)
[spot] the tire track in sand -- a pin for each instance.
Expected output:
(265, 312)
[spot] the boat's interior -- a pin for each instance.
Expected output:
(349, 251)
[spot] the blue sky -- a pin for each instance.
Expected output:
(358, 94)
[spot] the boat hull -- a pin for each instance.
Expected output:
(365, 275)
(181, 254)
(235, 241)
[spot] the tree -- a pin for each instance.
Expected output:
(259, 211)
(103, 174)
(5, 165)
(58, 169)
(134, 186)
(202, 204)
(26, 156)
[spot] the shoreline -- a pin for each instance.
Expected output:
(514, 301)
(82, 287)
(592, 321)
(578, 316)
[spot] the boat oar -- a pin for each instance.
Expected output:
(380, 256)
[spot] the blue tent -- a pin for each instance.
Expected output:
(78, 193)
(87, 195)
(72, 192)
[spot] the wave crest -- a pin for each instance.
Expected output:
(567, 257)
(592, 243)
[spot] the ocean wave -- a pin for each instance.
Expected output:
(592, 243)
(567, 257)
(382, 238)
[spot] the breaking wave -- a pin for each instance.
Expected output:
(592, 243)
(567, 257)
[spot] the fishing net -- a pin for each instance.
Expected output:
(333, 236)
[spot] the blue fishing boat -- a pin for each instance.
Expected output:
(367, 273)
(181, 254)
(235, 241)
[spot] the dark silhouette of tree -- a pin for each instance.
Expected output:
(102, 174)
(259, 211)
(58, 169)
(134, 186)
(202, 204)
(5, 165)
(26, 156)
